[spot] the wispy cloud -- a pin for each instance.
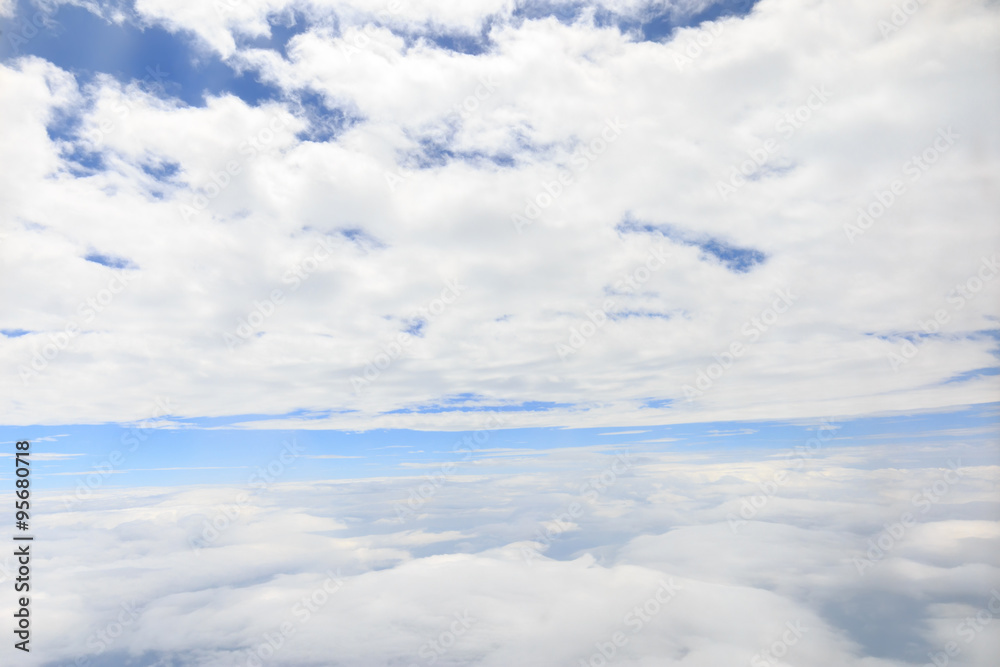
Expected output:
(331, 456)
(122, 472)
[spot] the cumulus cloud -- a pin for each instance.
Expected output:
(567, 217)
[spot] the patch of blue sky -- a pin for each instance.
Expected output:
(109, 261)
(80, 162)
(740, 260)
(658, 23)
(161, 171)
(915, 336)
(564, 12)
(63, 126)
(284, 27)
(463, 397)
(434, 152)
(312, 414)
(900, 335)
(326, 123)
(995, 335)
(62, 131)
(735, 258)
(361, 238)
(462, 43)
(973, 374)
(472, 44)
(172, 63)
(662, 26)
(416, 327)
(643, 314)
(769, 170)
(437, 149)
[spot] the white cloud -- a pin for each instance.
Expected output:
(46, 456)
(200, 275)
(662, 522)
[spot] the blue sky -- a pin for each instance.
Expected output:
(173, 456)
(87, 44)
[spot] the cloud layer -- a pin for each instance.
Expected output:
(829, 553)
(297, 254)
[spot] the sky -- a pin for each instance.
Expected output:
(384, 288)
(307, 226)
